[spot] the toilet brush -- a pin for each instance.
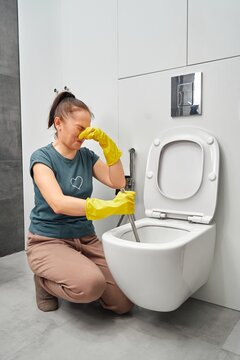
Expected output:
(131, 220)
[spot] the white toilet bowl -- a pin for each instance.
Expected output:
(174, 257)
(171, 262)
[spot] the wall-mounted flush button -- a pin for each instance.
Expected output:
(186, 98)
(185, 94)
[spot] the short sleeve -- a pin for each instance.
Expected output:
(40, 156)
(94, 157)
(89, 155)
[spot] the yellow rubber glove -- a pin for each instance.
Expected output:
(111, 152)
(122, 204)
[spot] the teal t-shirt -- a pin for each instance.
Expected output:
(75, 179)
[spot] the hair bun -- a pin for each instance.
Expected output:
(64, 95)
(63, 104)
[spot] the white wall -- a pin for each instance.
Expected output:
(213, 30)
(40, 73)
(89, 63)
(67, 43)
(145, 111)
(145, 106)
(151, 36)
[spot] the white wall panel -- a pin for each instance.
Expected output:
(72, 43)
(144, 111)
(89, 62)
(40, 73)
(213, 29)
(152, 35)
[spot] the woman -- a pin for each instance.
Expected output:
(63, 250)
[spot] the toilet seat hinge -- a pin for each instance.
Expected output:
(199, 219)
(158, 214)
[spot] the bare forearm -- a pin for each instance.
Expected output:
(116, 175)
(69, 205)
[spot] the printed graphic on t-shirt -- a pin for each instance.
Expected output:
(77, 182)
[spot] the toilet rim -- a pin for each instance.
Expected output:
(192, 232)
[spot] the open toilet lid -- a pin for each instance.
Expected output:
(181, 179)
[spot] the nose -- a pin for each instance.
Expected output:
(80, 133)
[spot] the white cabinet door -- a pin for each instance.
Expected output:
(151, 35)
(213, 29)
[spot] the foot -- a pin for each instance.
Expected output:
(45, 301)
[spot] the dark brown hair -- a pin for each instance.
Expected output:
(64, 104)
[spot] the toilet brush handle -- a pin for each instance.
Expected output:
(131, 220)
(134, 229)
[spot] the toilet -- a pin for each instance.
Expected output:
(177, 237)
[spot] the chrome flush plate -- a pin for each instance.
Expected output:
(186, 94)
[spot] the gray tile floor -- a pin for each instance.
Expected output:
(196, 331)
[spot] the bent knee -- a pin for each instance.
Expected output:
(91, 290)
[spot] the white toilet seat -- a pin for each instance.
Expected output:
(181, 178)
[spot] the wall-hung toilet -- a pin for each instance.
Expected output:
(174, 257)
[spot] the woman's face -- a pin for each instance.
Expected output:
(69, 128)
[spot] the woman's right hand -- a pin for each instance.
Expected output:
(122, 204)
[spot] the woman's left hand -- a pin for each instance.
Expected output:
(111, 152)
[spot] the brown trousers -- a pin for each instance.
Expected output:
(75, 270)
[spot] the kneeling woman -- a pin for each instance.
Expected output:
(63, 250)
